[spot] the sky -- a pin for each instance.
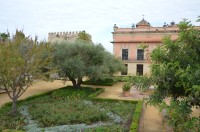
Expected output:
(96, 17)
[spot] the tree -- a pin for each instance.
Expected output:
(21, 60)
(176, 72)
(4, 36)
(84, 37)
(78, 59)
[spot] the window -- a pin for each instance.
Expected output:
(139, 69)
(125, 71)
(124, 54)
(140, 54)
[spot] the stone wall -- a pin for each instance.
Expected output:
(71, 35)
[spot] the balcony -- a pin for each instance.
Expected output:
(133, 60)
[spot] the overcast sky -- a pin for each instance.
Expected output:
(97, 17)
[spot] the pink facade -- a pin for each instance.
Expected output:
(127, 44)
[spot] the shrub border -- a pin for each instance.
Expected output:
(136, 117)
(100, 90)
(104, 84)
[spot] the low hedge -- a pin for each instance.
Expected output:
(136, 117)
(99, 91)
(100, 82)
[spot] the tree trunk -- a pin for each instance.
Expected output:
(79, 82)
(14, 106)
(75, 83)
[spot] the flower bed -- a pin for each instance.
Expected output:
(69, 108)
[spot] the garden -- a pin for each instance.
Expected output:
(73, 110)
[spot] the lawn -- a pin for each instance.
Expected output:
(69, 109)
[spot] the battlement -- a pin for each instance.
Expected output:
(70, 35)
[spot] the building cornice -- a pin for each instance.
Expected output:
(146, 41)
(128, 32)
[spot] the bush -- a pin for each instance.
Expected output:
(136, 117)
(66, 112)
(141, 82)
(8, 121)
(101, 82)
(127, 86)
(73, 93)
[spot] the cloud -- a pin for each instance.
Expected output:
(96, 17)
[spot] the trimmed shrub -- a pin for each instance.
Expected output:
(101, 82)
(136, 117)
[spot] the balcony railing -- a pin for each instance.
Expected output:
(133, 59)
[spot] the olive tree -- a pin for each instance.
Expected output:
(21, 62)
(176, 73)
(79, 59)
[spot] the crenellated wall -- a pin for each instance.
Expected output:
(70, 35)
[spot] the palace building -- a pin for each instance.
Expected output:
(127, 44)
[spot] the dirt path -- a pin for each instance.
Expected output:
(151, 120)
(37, 88)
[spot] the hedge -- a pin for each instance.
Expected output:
(105, 82)
(100, 90)
(136, 117)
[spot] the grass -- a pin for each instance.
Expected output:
(72, 106)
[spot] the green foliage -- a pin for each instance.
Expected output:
(79, 59)
(127, 86)
(21, 60)
(176, 73)
(141, 82)
(9, 122)
(83, 36)
(194, 95)
(101, 82)
(71, 93)
(54, 108)
(66, 112)
(4, 37)
(118, 107)
(119, 78)
(99, 91)
(136, 117)
(178, 113)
